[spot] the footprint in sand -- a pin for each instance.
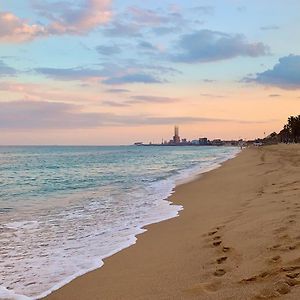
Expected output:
(282, 287)
(274, 292)
(204, 288)
(222, 259)
(284, 248)
(212, 232)
(293, 246)
(226, 249)
(219, 272)
(275, 247)
(284, 237)
(275, 259)
(289, 278)
(216, 238)
(216, 244)
(293, 275)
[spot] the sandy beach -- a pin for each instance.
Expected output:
(237, 238)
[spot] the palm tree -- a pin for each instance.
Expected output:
(291, 131)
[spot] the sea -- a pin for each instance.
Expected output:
(64, 209)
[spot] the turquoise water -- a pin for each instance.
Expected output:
(63, 209)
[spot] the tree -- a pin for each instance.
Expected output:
(291, 131)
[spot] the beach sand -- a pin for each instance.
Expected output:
(238, 237)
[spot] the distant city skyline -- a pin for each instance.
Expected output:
(104, 72)
(177, 140)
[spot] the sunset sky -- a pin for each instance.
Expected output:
(107, 72)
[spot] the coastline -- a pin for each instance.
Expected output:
(180, 258)
(169, 210)
(40, 280)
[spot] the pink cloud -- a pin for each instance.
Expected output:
(14, 29)
(69, 20)
(41, 92)
(77, 21)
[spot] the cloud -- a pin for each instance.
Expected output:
(5, 70)
(141, 99)
(38, 91)
(32, 114)
(132, 70)
(63, 17)
(274, 95)
(209, 80)
(108, 50)
(153, 18)
(147, 16)
(59, 115)
(122, 29)
(152, 99)
(54, 115)
(117, 91)
(70, 18)
(132, 78)
(285, 74)
(146, 46)
(271, 27)
(123, 72)
(70, 73)
(135, 21)
(114, 103)
(208, 46)
(14, 29)
(212, 95)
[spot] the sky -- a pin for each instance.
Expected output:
(111, 72)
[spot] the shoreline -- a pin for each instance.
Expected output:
(161, 265)
(185, 177)
(162, 210)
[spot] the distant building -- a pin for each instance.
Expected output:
(184, 141)
(217, 142)
(203, 141)
(176, 138)
(233, 143)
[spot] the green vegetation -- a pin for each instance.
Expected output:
(291, 131)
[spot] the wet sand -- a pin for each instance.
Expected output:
(238, 237)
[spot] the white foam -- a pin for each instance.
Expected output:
(22, 224)
(6, 294)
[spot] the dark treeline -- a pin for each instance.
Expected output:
(291, 131)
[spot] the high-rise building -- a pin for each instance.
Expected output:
(176, 138)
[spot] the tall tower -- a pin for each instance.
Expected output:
(176, 138)
(176, 131)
